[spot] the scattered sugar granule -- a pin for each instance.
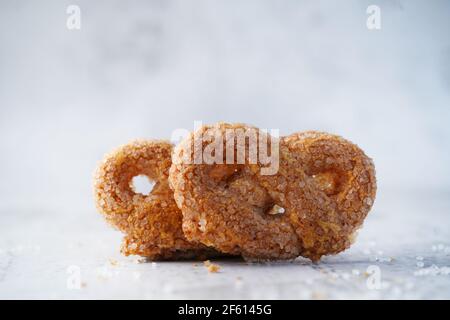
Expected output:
(104, 273)
(355, 272)
(433, 271)
(384, 259)
(420, 264)
(212, 267)
(140, 260)
(113, 262)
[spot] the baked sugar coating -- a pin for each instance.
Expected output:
(310, 207)
(151, 223)
(332, 189)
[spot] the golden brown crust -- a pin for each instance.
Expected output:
(337, 190)
(151, 223)
(312, 206)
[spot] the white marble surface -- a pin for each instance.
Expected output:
(407, 237)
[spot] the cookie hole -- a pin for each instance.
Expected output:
(142, 184)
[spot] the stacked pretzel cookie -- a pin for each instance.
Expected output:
(233, 189)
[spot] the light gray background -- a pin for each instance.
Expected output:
(140, 69)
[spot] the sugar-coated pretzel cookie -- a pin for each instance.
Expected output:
(151, 223)
(311, 206)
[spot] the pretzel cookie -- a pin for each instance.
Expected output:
(311, 206)
(151, 223)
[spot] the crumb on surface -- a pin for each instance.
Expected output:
(212, 267)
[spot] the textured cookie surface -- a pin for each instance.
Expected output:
(312, 206)
(151, 223)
